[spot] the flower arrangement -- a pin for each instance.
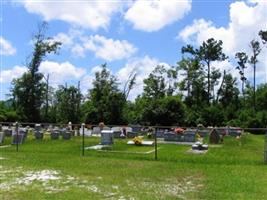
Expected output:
(179, 130)
(137, 140)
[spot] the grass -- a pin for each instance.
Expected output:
(234, 170)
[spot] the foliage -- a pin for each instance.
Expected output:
(28, 91)
(106, 99)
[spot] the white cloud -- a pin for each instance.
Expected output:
(107, 48)
(59, 73)
(87, 14)
(246, 20)
(154, 15)
(9, 74)
(6, 47)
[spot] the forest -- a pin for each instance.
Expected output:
(190, 93)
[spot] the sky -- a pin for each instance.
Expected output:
(130, 36)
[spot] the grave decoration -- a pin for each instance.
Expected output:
(199, 146)
(178, 130)
(138, 141)
(106, 137)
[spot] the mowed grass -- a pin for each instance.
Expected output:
(234, 170)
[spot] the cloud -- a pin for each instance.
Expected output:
(142, 67)
(87, 14)
(6, 47)
(107, 48)
(154, 15)
(246, 20)
(9, 74)
(59, 73)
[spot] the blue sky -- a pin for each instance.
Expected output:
(127, 35)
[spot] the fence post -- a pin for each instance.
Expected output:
(156, 144)
(265, 147)
(17, 136)
(83, 138)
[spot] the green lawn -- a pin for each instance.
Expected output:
(56, 170)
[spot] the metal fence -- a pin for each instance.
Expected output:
(19, 132)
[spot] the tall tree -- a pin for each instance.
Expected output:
(107, 101)
(214, 80)
(256, 49)
(242, 60)
(209, 51)
(263, 35)
(28, 91)
(229, 91)
(154, 85)
(67, 104)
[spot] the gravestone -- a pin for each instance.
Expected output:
(38, 127)
(214, 137)
(18, 139)
(106, 128)
(96, 130)
(190, 135)
(116, 131)
(38, 135)
(54, 135)
(160, 133)
(22, 131)
(2, 136)
(265, 149)
(203, 132)
(234, 132)
(106, 137)
(66, 135)
(8, 132)
(136, 128)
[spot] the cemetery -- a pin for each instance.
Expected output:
(102, 162)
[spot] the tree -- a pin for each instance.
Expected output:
(67, 104)
(166, 111)
(28, 91)
(193, 81)
(209, 51)
(229, 91)
(129, 84)
(215, 76)
(242, 60)
(160, 82)
(255, 46)
(263, 35)
(154, 85)
(107, 102)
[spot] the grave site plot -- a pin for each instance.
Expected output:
(120, 141)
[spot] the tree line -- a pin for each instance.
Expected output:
(190, 93)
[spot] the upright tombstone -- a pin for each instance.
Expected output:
(190, 135)
(66, 135)
(2, 136)
(106, 137)
(54, 134)
(8, 132)
(38, 133)
(265, 149)
(214, 137)
(22, 131)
